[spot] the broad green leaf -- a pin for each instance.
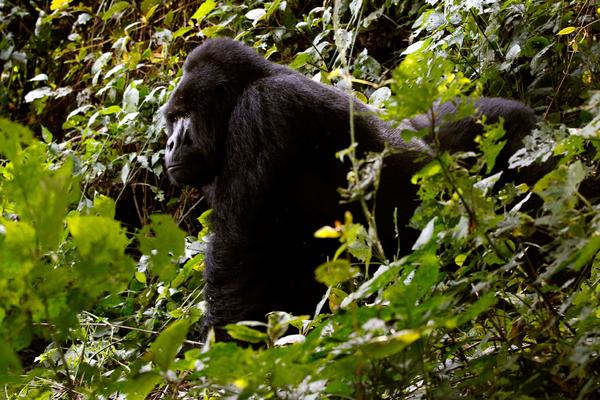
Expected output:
(181, 31)
(385, 346)
(139, 386)
(245, 333)
(164, 242)
(413, 48)
(167, 344)
(460, 259)
(558, 188)
(42, 196)
(46, 135)
(104, 206)
(483, 304)
(115, 9)
(97, 238)
(491, 143)
(204, 220)
(431, 169)
(380, 96)
(419, 282)
(9, 362)
(335, 272)
(382, 277)
(300, 60)
(203, 10)
(13, 137)
(147, 5)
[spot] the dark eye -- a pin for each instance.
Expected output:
(173, 116)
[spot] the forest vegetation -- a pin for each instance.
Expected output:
(101, 256)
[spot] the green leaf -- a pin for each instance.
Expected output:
(104, 206)
(558, 188)
(167, 344)
(300, 60)
(181, 31)
(12, 138)
(335, 272)
(385, 346)
(164, 242)
(139, 386)
(417, 283)
(203, 10)
(491, 143)
(9, 362)
(204, 220)
(97, 238)
(147, 5)
(115, 9)
(382, 277)
(429, 170)
(41, 196)
(483, 304)
(245, 333)
(46, 135)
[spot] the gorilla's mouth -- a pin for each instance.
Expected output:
(175, 167)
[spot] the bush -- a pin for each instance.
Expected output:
(100, 290)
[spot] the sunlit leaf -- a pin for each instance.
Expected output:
(39, 93)
(566, 31)
(203, 10)
(327, 232)
(57, 4)
(256, 14)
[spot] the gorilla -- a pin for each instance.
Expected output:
(259, 140)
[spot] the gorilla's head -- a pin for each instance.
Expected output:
(198, 112)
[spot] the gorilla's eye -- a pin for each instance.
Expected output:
(175, 115)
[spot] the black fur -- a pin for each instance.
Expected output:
(260, 140)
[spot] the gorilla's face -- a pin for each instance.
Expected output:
(197, 116)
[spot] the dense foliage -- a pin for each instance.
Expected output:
(101, 290)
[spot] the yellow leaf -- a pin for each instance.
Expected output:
(460, 259)
(566, 31)
(334, 74)
(241, 383)
(140, 277)
(407, 336)
(57, 4)
(327, 232)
